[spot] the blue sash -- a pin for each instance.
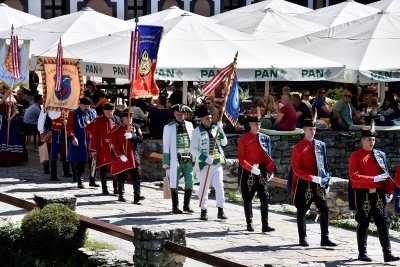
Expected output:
(322, 164)
(380, 158)
(265, 142)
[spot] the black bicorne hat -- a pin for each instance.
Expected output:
(108, 106)
(181, 108)
(85, 101)
(202, 112)
(253, 118)
(369, 132)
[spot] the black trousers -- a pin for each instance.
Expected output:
(122, 177)
(371, 205)
(250, 184)
(103, 171)
(308, 192)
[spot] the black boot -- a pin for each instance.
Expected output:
(136, 193)
(92, 182)
(221, 214)
(121, 191)
(362, 236)
(383, 233)
(175, 202)
(46, 168)
(104, 189)
(74, 172)
(301, 227)
(53, 171)
(115, 187)
(65, 164)
(248, 213)
(80, 182)
(264, 217)
(203, 215)
(324, 224)
(186, 201)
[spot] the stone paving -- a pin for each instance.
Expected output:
(227, 239)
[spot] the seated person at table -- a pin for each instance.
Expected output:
(302, 110)
(286, 118)
(323, 108)
(389, 110)
(344, 113)
(368, 103)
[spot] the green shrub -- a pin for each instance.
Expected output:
(54, 232)
(10, 240)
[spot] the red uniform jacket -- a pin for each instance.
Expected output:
(57, 124)
(120, 146)
(303, 162)
(362, 170)
(251, 152)
(397, 177)
(99, 130)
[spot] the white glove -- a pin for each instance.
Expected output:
(388, 197)
(220, 125)
(380, 178)
(255, 171)
(128, 135)
(209, 160)
(123, 158)
(317, 179)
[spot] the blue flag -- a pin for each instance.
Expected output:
(232, 106)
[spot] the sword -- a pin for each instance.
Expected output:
(93, 167)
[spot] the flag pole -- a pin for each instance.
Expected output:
(12, 85)
(226, 89)
(129, 92)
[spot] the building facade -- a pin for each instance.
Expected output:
(128, 9)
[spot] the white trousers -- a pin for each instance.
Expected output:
(215, 178)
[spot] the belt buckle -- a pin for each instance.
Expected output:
(215, 156)
(372, 190)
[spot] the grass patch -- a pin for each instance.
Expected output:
(98, 245)
(230, 196)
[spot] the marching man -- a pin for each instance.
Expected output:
(177, 159)
(201, 147)
(256, 165)
(310, 181)
(123, 160)
(78, 119)
(373, 189)
(99, 145)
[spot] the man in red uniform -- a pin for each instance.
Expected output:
(123, 160)
(373, 190)
(99, 129)
(256, 165)
(310, 179)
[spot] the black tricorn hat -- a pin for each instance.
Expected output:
(85, 101)
(253, 118)
(108, 106)
(181, 108)
(369, 132)
(313, 121)
(202, 111)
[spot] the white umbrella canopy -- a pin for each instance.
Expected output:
(340, 13)
(10, 16)
(194, 49)
(387, 5)
(159, 17)
(72, 28)
(368, 47)
(282, 6)
(271, 25)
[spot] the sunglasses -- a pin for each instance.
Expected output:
(349, 96)
(306, 95)
(208, 103)
(322, 93)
